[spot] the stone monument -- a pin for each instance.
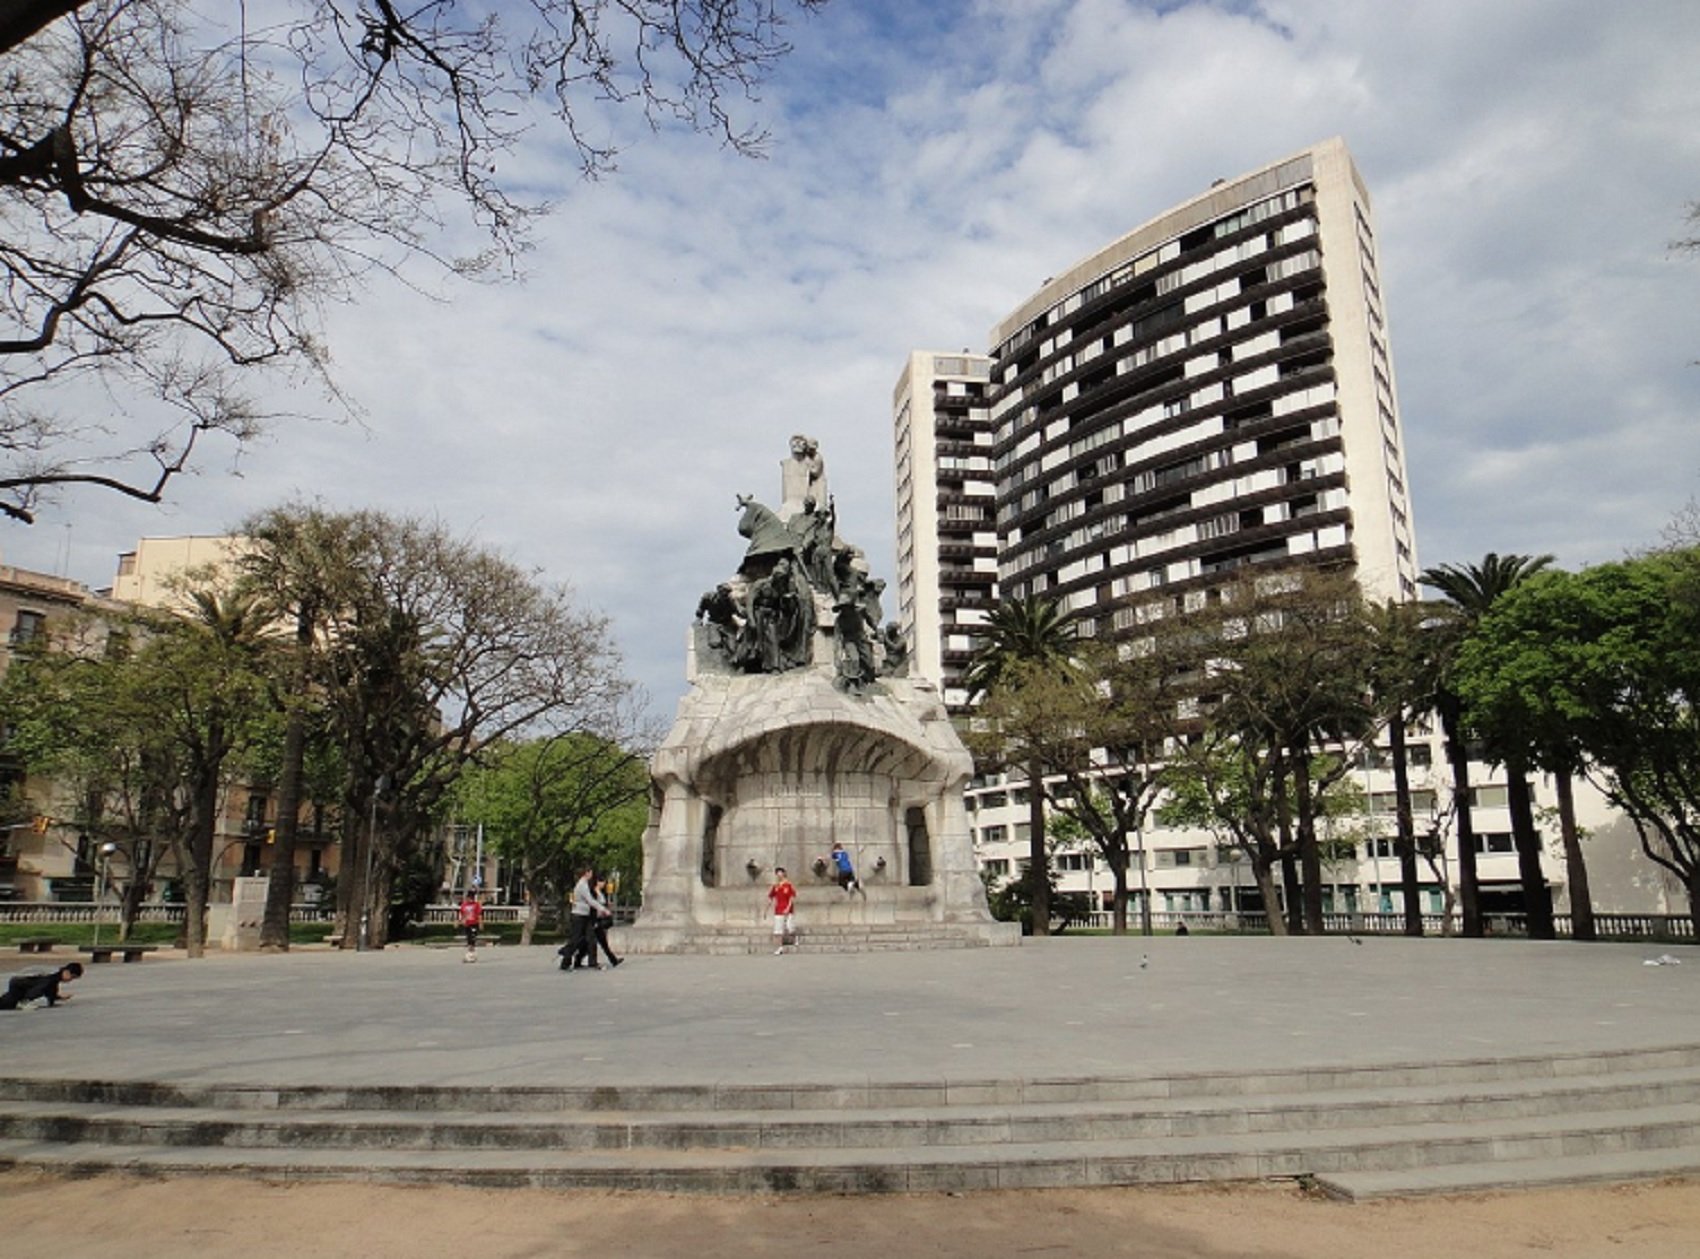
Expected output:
(803, 729)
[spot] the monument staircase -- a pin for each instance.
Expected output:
(1357, 1132)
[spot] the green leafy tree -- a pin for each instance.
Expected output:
(302, 564)
(1095, 732)
(1022, 640)
(1469, 592)
(83, 713)
(1402, 680)
(205, 685)
(1290, 681)
(1607, 661)
(440, 651)
(1221, 783)
(1527, 735)
(549, 805)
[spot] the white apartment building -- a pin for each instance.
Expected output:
(947, 542)
(1212, 391)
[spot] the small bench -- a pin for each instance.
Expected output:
(104, 952)
(37, 944)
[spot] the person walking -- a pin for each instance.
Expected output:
(471, 918)
(783, 897)
(846, 871)
(581, 933)
(602, 922)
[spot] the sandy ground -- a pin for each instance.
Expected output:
(122, 1218)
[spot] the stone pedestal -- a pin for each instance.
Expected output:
(766, 770)
(247, 914)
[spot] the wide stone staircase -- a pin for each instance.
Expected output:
(1356, 1132)
(843, 937)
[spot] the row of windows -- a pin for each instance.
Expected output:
(1149, 261)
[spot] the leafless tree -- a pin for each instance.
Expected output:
(182, 188)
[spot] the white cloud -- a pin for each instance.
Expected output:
(932, 164)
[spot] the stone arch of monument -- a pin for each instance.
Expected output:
(760, 772)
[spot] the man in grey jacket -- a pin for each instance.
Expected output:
(581, 929)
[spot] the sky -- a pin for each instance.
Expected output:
(930, 166)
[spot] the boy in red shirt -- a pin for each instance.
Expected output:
(783, 896)
(471, 918)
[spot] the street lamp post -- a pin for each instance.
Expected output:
(378, 789)
(101, 884)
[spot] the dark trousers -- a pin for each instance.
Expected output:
(602, 942)
(581, 942)
(21, 988)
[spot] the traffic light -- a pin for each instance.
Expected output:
(41, 823)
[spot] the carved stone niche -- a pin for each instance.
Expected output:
(761, 771)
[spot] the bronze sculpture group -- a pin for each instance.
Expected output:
(765, 619)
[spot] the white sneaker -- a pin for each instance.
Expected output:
(779, 950)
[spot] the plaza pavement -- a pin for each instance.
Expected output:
(1061, 1008)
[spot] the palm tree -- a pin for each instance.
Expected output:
(230, 630)
(1027, 633)
(301, 562)
(1469, 591)
(1402, 682)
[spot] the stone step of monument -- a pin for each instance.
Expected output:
(838, 937)
(1510, 1144)
(1524, 1117)
(1236, 1088)
(109, 1123)
(1599, 1167)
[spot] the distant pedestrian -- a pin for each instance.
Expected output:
(846, 871)
(471, 918)
(783, 895)
(23, 991)
(581, 933)
(600, 924)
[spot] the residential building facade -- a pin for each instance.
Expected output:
(44, 854)
(39, 857)
(947, 542)
(1210, 394)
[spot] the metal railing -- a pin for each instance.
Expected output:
(1664, 927)
(107, 912)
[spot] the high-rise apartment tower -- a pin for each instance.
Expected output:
(1213, 390)
(947, 544)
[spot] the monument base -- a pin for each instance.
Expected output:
(765, 771)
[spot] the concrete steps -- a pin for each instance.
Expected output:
(831, 937)
(1358, 1132)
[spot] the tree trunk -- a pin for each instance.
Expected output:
(130, 903)
(1263, 873)
(528, 927)
(280, 883)
(1692, 882)
(201, 834)
(1406, 843)
(1310, 855)
(1038, 864)
(378, 898)
(347, 910)
(1118, 897)
(1458, 757)
(1575, 864)
(1537, 895)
